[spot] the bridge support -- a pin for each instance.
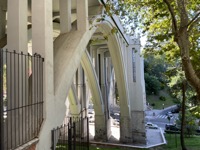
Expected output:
(82, 15)
(137, 93)
(138, 128)
(65, 16)
(17, 25)
(102, 128)
(125, 128)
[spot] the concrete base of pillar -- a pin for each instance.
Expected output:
(138, 127)
(102, 128)
(125, 130)
(84, 132)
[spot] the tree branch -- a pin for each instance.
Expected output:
(195, 20)
(195, 17)
(183, 13)
(172, 14)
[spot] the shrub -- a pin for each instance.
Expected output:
(162, 98)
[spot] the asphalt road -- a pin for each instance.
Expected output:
(161, 118)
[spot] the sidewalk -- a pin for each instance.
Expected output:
(155, 138)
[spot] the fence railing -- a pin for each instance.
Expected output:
(21, 98)
(71, 136)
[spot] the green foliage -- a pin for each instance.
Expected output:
(190, 122)
(156, 67)
(152, 84)
(158, 104)
(176, 77)
(155, 79)
(173, 142)
(195, 111)
(4, 78)
(162, 98)
(171, 27)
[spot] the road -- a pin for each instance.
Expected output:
(161, 119)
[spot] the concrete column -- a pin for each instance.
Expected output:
(102, 128)
(103, 83)
(17, 25)
(82, 98)
(103, 86)
(138, 127)
(3, 18)
(137, 93)
(65, 15)
(42, 40)
(82, 15)
(125, 129)
(95, 60)
(16, 40)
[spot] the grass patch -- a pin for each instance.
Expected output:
(158, 104)
(173, 142)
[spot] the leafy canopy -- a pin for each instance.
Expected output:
(172, 28)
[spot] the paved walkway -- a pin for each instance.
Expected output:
(155, 137)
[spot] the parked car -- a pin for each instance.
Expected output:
(172, 127)
(175, 110)
(197, 132)
(150, 125)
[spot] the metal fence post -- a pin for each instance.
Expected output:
(74, 135)
(53, 139)
(88, 134)
(1, 102)
(69, 135)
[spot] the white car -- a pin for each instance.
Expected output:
(150, 125)
(169, 114)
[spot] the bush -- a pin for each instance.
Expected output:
(162, 98)
(152, 84)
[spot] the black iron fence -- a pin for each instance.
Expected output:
(71, 136)
(21, 98)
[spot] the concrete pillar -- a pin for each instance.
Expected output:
(107, 122)
(111, 87)
(82, 97)
(16, 40)
(3, 18)
(102, 122)
(137, 93)
(102, 128)
(42, 40)
(65, 16)
(95, 59)
(125, 129)
(82, 15)
(17, 25)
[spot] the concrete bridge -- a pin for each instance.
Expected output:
(83, 54)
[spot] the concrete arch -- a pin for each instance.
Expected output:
(68, 50)
(118, 63)
(93, 83)
(75, 106)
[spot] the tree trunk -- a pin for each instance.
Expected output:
(182, 39)
(183, 116)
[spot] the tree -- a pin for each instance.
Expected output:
(152, 84)
(171, 26)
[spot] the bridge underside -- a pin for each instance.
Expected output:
(84, 62)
